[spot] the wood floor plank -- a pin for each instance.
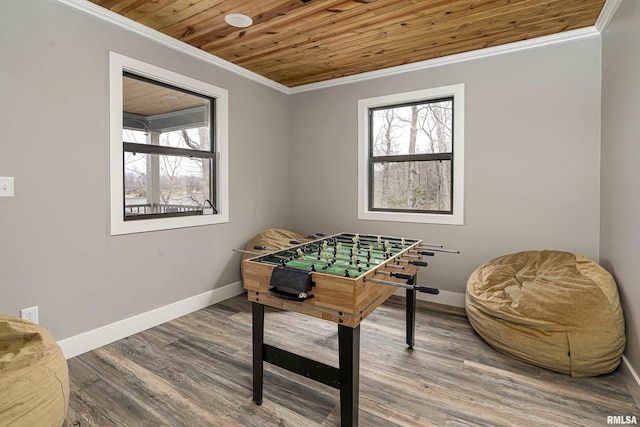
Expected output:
(196, 371)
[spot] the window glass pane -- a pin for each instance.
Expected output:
(424, 186)
(168, 116)
(196, 139)
(413, 129)
(158, 184)
(132, 135)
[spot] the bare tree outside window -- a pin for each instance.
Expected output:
(411, 157)
(182, 181)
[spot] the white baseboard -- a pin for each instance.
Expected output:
(90, 340)
(631, 379)
(453, 299)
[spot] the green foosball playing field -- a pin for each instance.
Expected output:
(348, 255)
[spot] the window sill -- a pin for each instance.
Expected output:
(119, 226)
(453, 219)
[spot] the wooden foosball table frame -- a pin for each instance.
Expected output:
(346, 301)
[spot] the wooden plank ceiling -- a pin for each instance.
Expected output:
(295, 43)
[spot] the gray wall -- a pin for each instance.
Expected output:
(620, 191)
(532, 157)
(55, 248)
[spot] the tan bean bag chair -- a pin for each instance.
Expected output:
(553, 309)
(272, 238)
(34, 380)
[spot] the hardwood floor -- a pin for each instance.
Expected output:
(196, 371)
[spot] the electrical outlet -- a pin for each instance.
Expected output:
(30, 314)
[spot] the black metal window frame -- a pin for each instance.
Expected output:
(132, 147)
(434, 157)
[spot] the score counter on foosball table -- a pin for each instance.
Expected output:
(340, 278)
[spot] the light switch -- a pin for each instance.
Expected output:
(6, 186)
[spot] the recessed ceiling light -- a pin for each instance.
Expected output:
(239, 20)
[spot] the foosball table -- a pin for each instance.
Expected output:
(340, 278)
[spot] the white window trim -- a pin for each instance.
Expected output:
(119, 63)
(364, 105)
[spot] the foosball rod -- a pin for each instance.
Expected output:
(423, 289)
(418, 263)
(309, 238)
(384, 247)
(404, 276)
(429, 252)
(423, 246)
(359, 252)
(412, 262)
(367, 237)
(345, 239)
(314, 257)
(319, 262)
(265, 248)
(313, 262)
(418, 250)
(242, 251)
(375, 254)
(374, 238)
(374, 242)
(314, 253)
(366, 252)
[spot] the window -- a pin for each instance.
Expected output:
(167, 144)
(411, 162)
(168, 149)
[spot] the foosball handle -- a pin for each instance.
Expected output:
(427, 290)
(402, 276)
(419, 263)
(427, 253)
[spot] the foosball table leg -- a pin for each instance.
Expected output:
(411, 317)
(257, 315)
(349, 355)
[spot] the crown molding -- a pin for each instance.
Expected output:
(85, 6)
(128, 24)
(553, 39)
(608, 10)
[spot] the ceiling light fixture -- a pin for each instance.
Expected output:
(239, 20)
